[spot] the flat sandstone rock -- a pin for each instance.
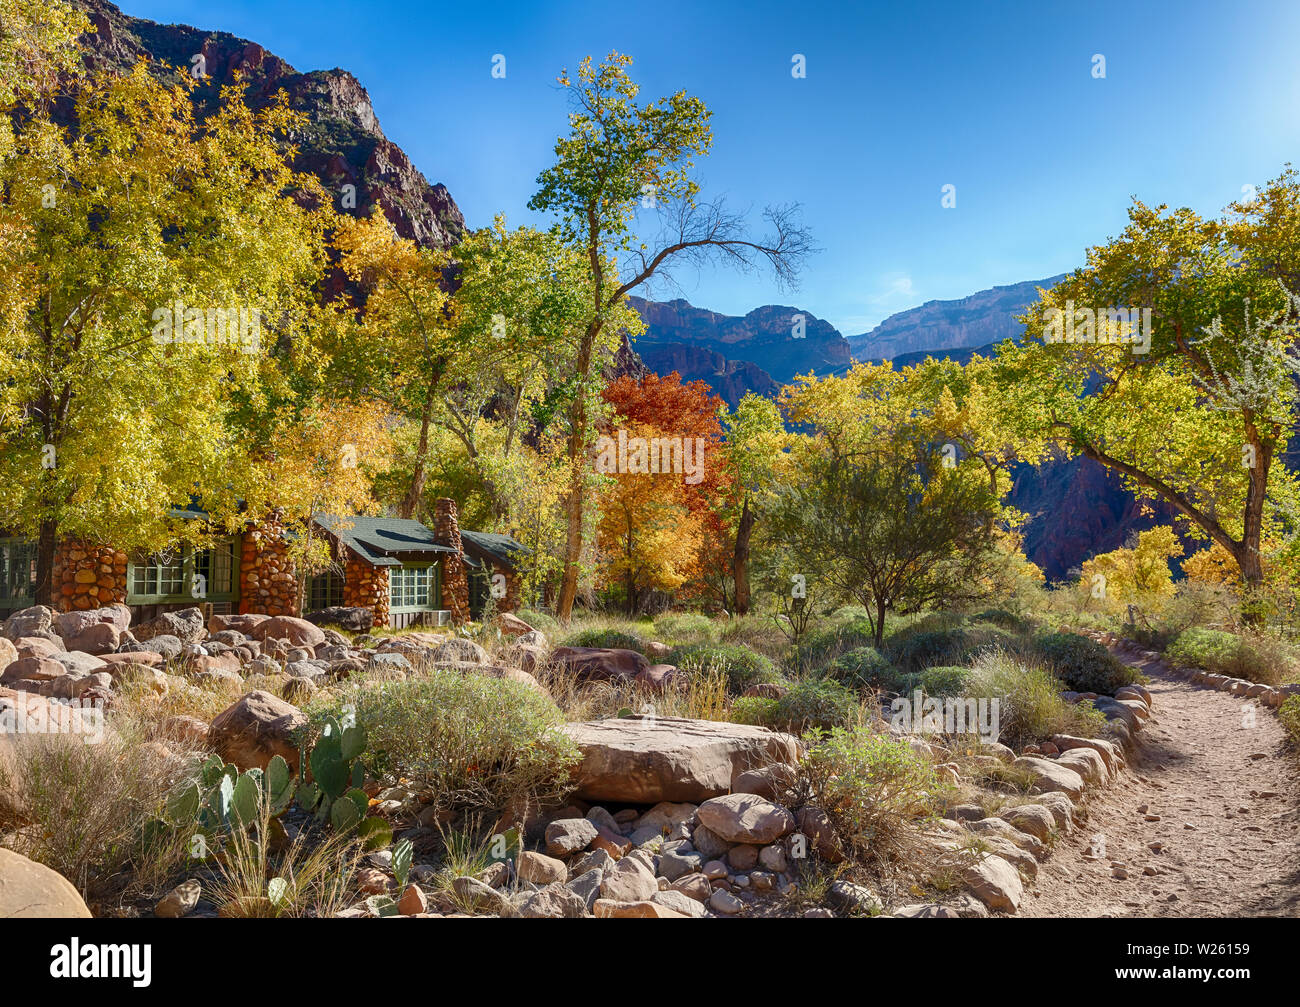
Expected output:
(643, 760)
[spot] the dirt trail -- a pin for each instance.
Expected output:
(1227, 795)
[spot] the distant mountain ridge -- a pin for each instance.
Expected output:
(986, 317)
(756, 352)
(342, 143)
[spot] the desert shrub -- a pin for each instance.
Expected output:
(818, 704)
(606, 637)
(1258, 658)
(741, 665)
(80, 807)
(538, 619)
(1030, 707)
(1084, 665)
(825, 643)
(1289, 714)
(942, 680)
(864, 668)
(1004, 619)
(682, 627)
(931, 643)
(756, 710)
(875, 790)
(930, 647)
(478, 743)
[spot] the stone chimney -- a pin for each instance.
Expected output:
(455, 584)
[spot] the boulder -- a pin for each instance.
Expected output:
(645, 909)
(256, 728)
(556, 902)
(354, 619)
(34, 621)
(38, 646)
(1088, 763)
(512, 625)
(8, 653)
(1049, 777)
(815, 824)
(745, 818)
(569, 835)
(31, 891)
(541, 869)
(628, 880)
(679, 902)
(186, 625)
(1109, 752)
(644, 760)
(460, 649)
(299, 632)
(606, 664)
(166, 645)
(32, 669)
(97, 638)
(995, 883)
(1035, 819)
(242, 623)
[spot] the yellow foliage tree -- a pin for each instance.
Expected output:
(1137, 573)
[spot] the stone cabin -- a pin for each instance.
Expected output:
(403, 571)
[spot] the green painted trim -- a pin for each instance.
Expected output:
(187, 577)
(435, 588)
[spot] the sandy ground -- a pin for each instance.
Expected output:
(1215, 771)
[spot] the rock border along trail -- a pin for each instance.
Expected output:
(1206, 822)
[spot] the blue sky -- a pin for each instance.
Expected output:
(996, 99)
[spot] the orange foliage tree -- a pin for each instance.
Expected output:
(674, 502)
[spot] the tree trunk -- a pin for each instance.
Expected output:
(880, 623)
(577, 478)
(46, 543)
(740, 558)
(411, 504)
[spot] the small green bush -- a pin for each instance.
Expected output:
(825, 643)
(816, 704)
(923, 649)
(942, 680)
(1004, 619)
(755, 710)
(1030, 707)
(684, 627)
(1289, 714)
(479, 743)
(614, 639)
(864, 668)
(741, 665)
(538, 619)
(1258, 659)
(1084, 665)
(875, 789)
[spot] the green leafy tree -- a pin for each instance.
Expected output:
(153, 261)
(1195, 409)
(619, 157)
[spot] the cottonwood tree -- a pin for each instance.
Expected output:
(618, 157)
(405, 344)
(872, 505)
(1199, 419)
(129, 233)
(888, 526)
(756, 440)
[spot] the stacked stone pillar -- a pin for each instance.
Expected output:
(267, 584)
(366, 586)
(88, 576)
(455, 583)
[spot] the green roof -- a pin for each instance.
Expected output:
(490, 545)
(378, 539)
